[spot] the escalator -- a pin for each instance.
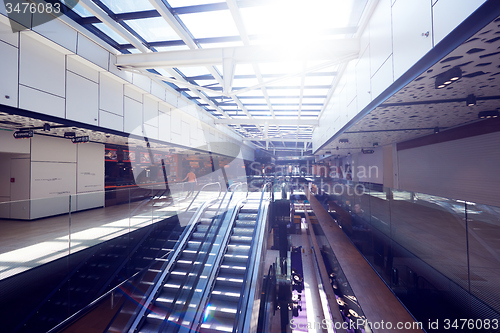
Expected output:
(186, 268)
(223, 302)
(207, 286)
(206, 281)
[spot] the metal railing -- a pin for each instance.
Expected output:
(209, 184)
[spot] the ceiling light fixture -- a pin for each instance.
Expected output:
(375, 144)
(470, 100)
(344, 140)
(488, 114)
(448, 77)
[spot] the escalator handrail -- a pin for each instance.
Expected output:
(237, 327)
(208, 184)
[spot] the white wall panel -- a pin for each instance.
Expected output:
(51, 185)
(175, 121)
(142, 82)
(150, 132)
(448, 14)
(382, 79)
(10, 145)
(42, 67)
(133, 119)
(171, 98)
(90, 167)
(20, 190)
(185, 133)
(89, 200)
(127, 76)
(9, 70)
(41, 102)
(164, 126)
(51, 149)
(51, 179)
(465, 169)
(380, 35)
(110, 120)
(8, 36)
(176, 138)
(56, 31)
(410, 19)
(370, 167)
(158, 90)
(92, 52)
(4, 177)
(388, 170)
(77, 65)
(133, 93)
(363, 89)
(110, 94)
(82, 99)
(150, 111)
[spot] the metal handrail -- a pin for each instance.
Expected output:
(220, 188)
(237, 325)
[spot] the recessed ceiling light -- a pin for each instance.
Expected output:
(488, 114)
(470, 100)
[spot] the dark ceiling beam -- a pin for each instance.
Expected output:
(439, 101)
(396, 130)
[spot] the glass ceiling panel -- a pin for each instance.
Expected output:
(172, 48)
(284, 67)
(111, 33)
(245, 82)
(312, 100)
(243, 69)
(153, 29)
(291, 82)
(318, 80)
(210, 24)
(79, 9)
(287, 21)
(315, 91)
(121, 6)
(184, 3)
(283, 92)
(194, 71)
(294, 101)
(227, 44)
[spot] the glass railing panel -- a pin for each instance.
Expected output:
(484, 252)
(27, 243)
(380, 212)
(433, 229)
(95, 219)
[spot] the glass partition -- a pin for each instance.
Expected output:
(439, 255)
(59, 254)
